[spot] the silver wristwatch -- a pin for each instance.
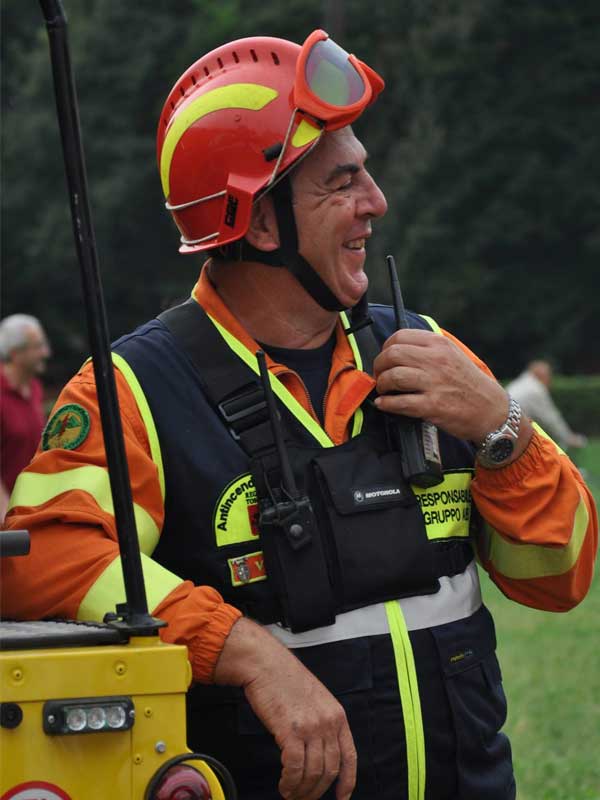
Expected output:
(498, 446)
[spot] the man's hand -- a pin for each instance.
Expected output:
(307, 722)
(577, 440)
(421, 374)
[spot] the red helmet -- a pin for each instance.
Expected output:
(231, 124)
(218, 130)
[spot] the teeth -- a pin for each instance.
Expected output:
(356, 244)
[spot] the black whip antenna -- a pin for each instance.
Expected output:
(134, 613)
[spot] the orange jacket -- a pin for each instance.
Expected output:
(538, 505)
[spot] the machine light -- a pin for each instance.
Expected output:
(88, 715)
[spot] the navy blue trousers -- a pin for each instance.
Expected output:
(462, 702)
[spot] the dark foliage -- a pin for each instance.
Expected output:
(485, 142)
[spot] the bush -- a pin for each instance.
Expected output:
(578, 398)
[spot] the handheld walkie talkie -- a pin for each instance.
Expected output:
(418, 439)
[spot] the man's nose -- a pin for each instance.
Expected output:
(373, 203)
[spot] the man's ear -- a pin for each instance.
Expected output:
(263, 232)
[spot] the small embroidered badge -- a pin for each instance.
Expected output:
(67, 428)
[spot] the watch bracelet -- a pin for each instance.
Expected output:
(512, 422)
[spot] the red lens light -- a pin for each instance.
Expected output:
(182, 782)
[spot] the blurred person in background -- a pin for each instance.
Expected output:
(532, 391)
(24, 351)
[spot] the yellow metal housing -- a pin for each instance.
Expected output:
(95, 766)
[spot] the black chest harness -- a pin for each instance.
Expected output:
(342, 529)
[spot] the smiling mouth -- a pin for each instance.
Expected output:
(355, 244)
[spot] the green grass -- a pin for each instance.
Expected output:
(551, 669)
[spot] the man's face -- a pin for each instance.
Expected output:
(335, 200)
(31, 358)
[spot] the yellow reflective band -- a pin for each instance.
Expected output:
(409, 697)
(284, 395)
(357, 422)
(235, 518)
(351, 341)
(434, 326)
(109, 588)
(250, 96)
(524, 561)
(146, 415)
(305, 133)
(35, 489)
(543, 433)
(446, 508)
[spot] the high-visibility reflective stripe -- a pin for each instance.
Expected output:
(357, 421)
(434, 326)
(543, 433)
(286, 397)
(146, 415)
(109, 588)
(411, 703)
(459, 597)
(524, 561)
(34, 489)
(250, 96)
(352, 341)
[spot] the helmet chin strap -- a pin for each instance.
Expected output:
(287, 256)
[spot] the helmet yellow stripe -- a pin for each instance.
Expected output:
(305, 134)
(251, 96)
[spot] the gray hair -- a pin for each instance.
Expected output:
(13, 333)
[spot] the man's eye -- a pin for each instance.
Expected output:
(345, 186)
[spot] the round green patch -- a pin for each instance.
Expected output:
(67, 428)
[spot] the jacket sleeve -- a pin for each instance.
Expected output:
(74, 569)
(539, 534)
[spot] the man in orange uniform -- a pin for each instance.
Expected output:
(356, 578)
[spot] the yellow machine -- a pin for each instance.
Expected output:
(88, 714)
(90, 710)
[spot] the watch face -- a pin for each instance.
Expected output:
(501, 449)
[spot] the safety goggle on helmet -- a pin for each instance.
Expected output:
(241, 117)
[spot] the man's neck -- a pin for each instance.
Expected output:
(17, 379)
(271, 305)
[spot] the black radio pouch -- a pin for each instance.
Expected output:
(366, 538)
